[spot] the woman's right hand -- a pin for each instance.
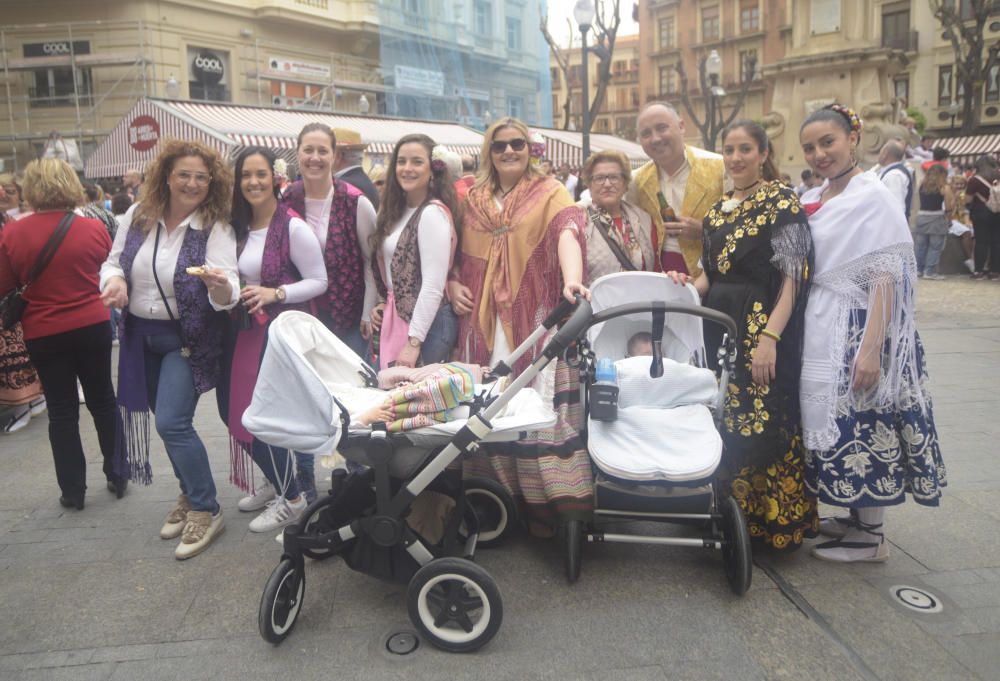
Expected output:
(115, 293)
(376, 317)
(680, 278)
(460, 296)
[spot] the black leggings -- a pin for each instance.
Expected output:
(60, 359)
(987, 228)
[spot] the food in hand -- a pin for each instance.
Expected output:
(198, 271)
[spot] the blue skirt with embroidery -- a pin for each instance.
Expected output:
(882, 454)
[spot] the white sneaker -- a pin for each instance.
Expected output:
(279, 512)
(258, 499)
(38, 406)
(79, 393)
(970, 265)
(17, 421)
(935, 277)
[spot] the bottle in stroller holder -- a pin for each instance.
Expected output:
(604, 391)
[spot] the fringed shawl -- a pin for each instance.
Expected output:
(510, 261)
(865, 267)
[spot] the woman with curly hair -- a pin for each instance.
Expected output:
(756, 268)
(415, 222)
(171, 270)
(867, 417)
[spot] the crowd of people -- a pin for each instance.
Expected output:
(431, 259)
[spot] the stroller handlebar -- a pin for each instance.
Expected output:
(656, 305)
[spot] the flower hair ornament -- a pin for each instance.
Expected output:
(852, 118)
(438, 156)
(537, 148)
(280, 169)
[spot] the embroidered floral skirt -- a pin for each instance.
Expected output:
(881, 454)
(19, 383)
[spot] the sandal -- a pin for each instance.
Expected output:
(993, 276)
(977, 275)
(836, 527)
(841, 551)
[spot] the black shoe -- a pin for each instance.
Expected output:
(118, 486)
(72, 502)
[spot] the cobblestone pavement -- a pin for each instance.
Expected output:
(97, 595)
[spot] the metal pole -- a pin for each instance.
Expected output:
(586, 97)
(10, 106)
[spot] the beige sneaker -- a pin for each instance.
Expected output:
(201, 530)
(174, 524)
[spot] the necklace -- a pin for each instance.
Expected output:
(840, 175)
(503, 193)
(749, 186)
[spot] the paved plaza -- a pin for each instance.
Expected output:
(97, 595)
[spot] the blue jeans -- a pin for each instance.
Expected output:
(927, 248)
(115, 316)
(441, 336)
(275, 463)
(172, 397)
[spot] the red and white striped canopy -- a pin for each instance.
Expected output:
(566, 146)
(967, 149)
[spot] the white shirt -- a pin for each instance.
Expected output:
(318, 217)
(305, 254)
(570, 183)
(434, 241)
(673, 187)
(897, 181)
(144, 298)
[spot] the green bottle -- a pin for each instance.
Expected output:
(666, 212)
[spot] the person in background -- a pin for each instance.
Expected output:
(985, 222)
(895, 175)
(120, 203)
(569, 180)
(676, 187)
(961, 222)
(923, 151)
(806, 184)
(132, 183)
(786, 180)
(347, 164)
(94, 208)
(171, 269)
(939, 157)
(65, 324)
(377, 175)
(10, 197)
(937, 201)
(867, 418)
(467, 178)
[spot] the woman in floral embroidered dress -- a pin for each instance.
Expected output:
(519, 255)
(867, 419)
(756, 260)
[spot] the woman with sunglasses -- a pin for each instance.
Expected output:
(520, 255)
(171, 269)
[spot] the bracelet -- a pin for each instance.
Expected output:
(770, 334)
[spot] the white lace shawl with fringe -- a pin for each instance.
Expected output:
(870, 269)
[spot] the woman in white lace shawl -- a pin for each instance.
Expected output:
(866, 414)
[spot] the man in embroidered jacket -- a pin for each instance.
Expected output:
(689, 179)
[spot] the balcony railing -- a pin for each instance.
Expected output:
(901, 41)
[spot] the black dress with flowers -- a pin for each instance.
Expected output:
(751, 249)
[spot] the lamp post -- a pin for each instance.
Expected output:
(363, 105)
(713, 69)
(584, 12)
(953, 109)
(172, 88)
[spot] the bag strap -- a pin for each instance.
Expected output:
(51, 246)
(156, 278)
(615, 248)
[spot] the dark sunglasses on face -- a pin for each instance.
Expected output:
(498, 147)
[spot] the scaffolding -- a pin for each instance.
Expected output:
(119, 51)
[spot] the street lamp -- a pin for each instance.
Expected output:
(487, 118)
(584, 13)
(953, 109)
(363, 105)
(172, 88)
(713, 69)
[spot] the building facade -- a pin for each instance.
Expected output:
(742, 32)
(621, 101)
(77, 76)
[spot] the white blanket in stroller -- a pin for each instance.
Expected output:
(664, 429)
(306, 370)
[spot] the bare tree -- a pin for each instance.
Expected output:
(965, 32)
(714, 120)
(606, 23)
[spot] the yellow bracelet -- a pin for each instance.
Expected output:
(770, 334)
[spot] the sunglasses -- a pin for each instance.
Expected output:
(498, 147)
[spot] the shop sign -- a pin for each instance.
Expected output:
(143, 133)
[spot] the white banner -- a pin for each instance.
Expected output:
(419, 80)
(296, 67)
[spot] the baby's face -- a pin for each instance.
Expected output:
(643, 348)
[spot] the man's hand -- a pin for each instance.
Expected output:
(684, 228)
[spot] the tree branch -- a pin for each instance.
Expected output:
(561, 60)
(686, 99)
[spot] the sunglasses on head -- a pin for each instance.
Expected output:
(498, 147)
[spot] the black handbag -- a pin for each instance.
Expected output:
(13, 304)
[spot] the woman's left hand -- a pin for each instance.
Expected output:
(570, 292)
(764, 356)
(867, 369)
(217, 283)
(408, 356)
(256, 297)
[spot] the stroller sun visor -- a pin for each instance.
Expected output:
(294, 403)
(682, 334)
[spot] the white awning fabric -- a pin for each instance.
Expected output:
(968, 148)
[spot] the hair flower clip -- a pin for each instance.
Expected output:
(438, 155)
(281, 169)
(537, 147)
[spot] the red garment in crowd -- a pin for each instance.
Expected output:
(927, 164)
(463, 185)
(66, 295)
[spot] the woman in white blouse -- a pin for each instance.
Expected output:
(414, 246)
(171, 269)
(281, 268)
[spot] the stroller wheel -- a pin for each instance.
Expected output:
(309, 524)
(494, 508)
(736, 552)
(574, 549)
(281, 602)
(455, 604)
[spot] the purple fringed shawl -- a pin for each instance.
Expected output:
(201, 330)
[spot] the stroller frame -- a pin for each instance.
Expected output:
(723, 522)
(445, 589)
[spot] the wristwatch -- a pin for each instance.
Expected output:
(414, 342)
(279, 294)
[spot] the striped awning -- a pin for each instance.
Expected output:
(566, 146)
(968, 148)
